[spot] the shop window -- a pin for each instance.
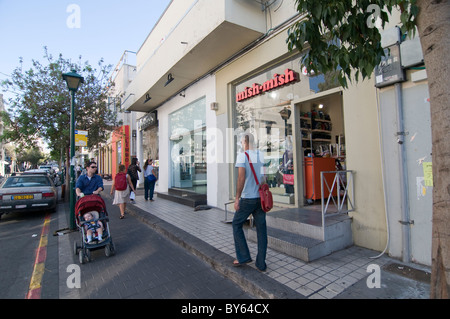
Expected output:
(267, 114)
(188, 147)
(263, 106)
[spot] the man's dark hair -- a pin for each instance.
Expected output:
(90, 163)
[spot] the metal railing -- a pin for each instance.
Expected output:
(344, 199)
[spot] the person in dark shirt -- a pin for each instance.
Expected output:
(89, 183)
(133, 170)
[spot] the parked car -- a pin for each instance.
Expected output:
(50, 172)
(28, 192)
(47, 167)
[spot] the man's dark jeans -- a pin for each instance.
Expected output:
(247, 207)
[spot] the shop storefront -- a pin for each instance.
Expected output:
(187, 127)
(148, 137)
(120, 153)
(299, 140)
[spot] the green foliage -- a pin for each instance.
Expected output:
(32, 155)
(41, 105)
(341, 35)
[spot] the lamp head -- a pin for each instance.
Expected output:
(73, 80)
(285, 114)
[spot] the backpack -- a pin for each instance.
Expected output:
(121, 182)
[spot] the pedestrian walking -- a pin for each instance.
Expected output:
(133, 170)
(248, 202)
(120, 185)
(150, 178)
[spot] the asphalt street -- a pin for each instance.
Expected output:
(19, 240)
(146, 265)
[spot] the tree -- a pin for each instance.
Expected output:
(340, 36)
(41, 104)
(31, 155)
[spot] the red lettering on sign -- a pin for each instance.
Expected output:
(278, 80)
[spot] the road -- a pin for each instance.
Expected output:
(146, 264)
(20, 235)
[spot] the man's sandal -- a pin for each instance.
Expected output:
(236, 263)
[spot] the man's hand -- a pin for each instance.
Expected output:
(236, 204)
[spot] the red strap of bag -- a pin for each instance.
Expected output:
(264, 192)
(253, 169)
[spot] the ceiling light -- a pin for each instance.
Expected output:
(169, 79)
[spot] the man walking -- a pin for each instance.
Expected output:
(248, 202)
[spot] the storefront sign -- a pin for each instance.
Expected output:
(148, 120)
(126, 140)
(288, 179)
(278, 81)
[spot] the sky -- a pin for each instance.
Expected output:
(94, 29)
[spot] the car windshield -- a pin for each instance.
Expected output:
(26, 181)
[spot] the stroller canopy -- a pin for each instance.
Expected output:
(89, 203)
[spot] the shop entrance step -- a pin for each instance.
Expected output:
(184, 197)
(303, 237)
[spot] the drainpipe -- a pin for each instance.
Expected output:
(406, 223)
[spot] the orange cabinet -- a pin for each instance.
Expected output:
(312, 168)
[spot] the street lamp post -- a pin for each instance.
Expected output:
(73, 80)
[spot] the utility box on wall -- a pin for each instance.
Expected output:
(390, 70)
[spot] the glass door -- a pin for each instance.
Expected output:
(188, 147)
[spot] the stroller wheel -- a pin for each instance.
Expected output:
(75, 248)
(84, 255)
(81, 257)
(88, 255)
(109, 249)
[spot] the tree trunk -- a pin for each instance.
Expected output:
(433, 23)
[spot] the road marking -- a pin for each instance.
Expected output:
(34, 290)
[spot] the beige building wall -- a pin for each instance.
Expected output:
(364, 158)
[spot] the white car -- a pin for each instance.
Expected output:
(28, 192)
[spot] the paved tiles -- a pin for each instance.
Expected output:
(325, 278)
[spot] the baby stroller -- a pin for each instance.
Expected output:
(95, 205)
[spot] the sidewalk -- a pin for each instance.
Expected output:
(342, 274)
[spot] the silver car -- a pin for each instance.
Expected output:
(27, 192)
